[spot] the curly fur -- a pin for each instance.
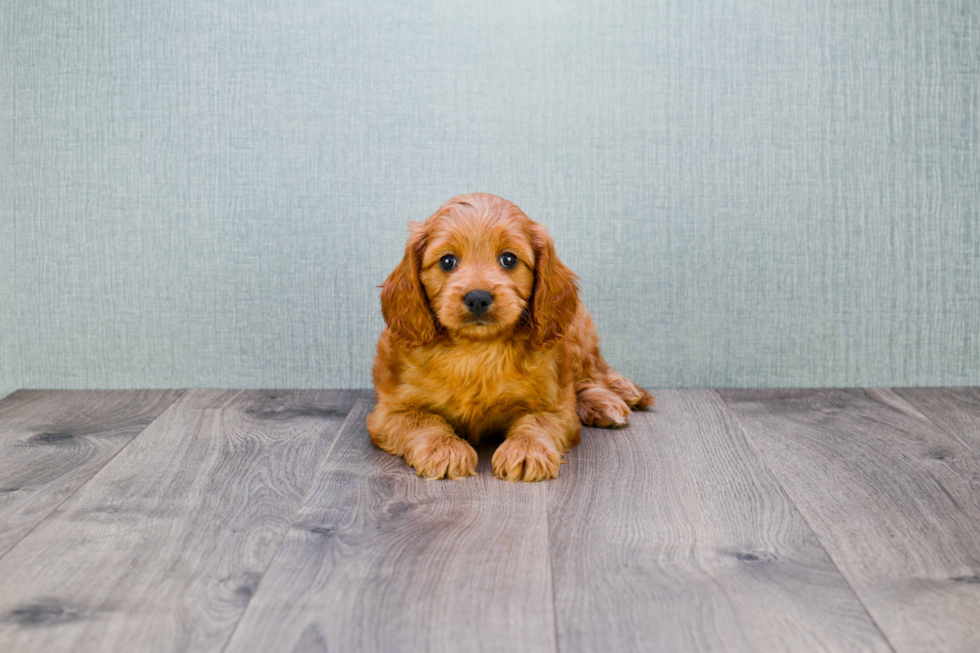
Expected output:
(529, 368)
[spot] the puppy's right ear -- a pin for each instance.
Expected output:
(404, 304)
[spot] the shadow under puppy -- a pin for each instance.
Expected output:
(486, 335)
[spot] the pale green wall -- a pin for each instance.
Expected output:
(754, 193)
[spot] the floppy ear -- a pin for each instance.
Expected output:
(555, 298)
(403, 302)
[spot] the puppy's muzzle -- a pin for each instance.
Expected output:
(478, 301)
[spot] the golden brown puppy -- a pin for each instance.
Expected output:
(486, 334)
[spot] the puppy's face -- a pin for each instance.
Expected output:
(478, 272)
(479, 268)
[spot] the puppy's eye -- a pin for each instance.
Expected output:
(447, 262)
(508, 260)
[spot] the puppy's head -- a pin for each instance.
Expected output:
(479, 268)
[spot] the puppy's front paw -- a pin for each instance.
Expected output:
(442, 456)
(523, 458)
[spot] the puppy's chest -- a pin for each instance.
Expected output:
(483, 380)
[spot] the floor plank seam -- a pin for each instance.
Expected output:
(551, 567)
(952, 434)
(816, 534)
(53, 511)
(299, 508)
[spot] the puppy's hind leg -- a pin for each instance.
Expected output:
(606, 399)
(632, 394)
(599, 406)
(604, 396)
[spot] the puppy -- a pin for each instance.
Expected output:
(486, 335)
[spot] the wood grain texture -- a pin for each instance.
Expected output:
(672, 535)
(52, 442)
(955, 410)
(379, 559)
(894, 498)
(163, 548)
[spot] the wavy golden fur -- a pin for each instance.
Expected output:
(526, 366)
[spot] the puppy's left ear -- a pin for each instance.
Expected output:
(555, 298)
(404, 304)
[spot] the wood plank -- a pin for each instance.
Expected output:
(672, 535)
(162, 549)
(955, 410)
(379, 559)
(895, 500)
(53, 441)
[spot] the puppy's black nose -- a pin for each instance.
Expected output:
(478, 301)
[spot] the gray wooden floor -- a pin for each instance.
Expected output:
(791, 520)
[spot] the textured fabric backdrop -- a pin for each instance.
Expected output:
(754, 193)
